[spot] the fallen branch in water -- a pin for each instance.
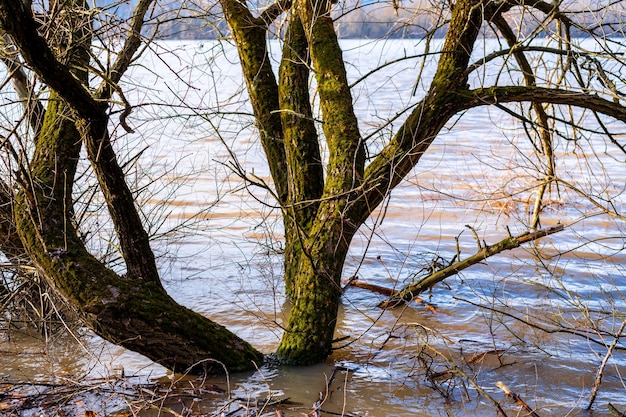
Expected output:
(614, 411)
(372, 287)
(485, 251)
(516, 398)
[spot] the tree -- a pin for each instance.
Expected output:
(132, 310)
(323, 210)
(323, 202)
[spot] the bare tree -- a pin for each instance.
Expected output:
(323, 199)
(323, 209)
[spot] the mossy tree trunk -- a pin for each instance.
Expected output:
(321, 215)
(305, 175)
(317, 230)
(132, 310)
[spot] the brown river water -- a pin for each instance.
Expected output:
(483, 325)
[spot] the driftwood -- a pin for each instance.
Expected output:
(379, 289)
(485, 251)
(516, 398)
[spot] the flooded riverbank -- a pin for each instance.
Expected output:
(540, 318)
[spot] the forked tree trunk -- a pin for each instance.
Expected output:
(321, 214)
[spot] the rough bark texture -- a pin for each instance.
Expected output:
(133, 311)
(310, 329)
(309, 332)
(304, 163)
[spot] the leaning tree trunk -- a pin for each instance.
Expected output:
(134, 310)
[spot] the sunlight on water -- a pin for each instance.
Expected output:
(225, 262)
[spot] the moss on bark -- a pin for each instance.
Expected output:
(133, 311)
(304, 165)
(250, 36)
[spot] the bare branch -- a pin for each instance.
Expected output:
(520, 48)
(513, 94)
(516, 399)
(34, 109)
(18, 21)
(609, 352)
(274, 10)
(414, 289)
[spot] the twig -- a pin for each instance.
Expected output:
(516, 399)
(566, 330)
(273, 11)
(609, 352)
(455, 369)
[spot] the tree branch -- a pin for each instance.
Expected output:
(544, 133)
(444, 99)
(511, 94)
(250, 37)
(346, 147)
(17, 20)
(413, 290)
(516, 399)
(273, 11)
(521, 48)
(33, 108)
(127, 54)
(124, 58)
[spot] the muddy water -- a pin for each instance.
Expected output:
(486, 321)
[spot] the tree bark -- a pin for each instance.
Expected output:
(304, 163)
(133, 311)
(310, 329)
(250, 36)
(316, 235)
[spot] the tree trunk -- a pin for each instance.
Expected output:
(310, 329)
(305, 177)
(133, 311)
